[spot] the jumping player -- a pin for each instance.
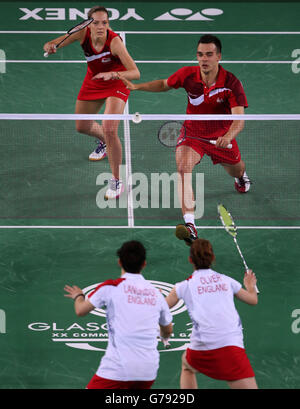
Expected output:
(210, 90)
(216, 345)
(134, 310)
(106, 57)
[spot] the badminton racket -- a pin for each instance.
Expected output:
(170, 131)
(231, 229)
(73, 30)
(166, 342)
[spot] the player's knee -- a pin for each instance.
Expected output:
(183, 168)
(110, 129)
(81, 127)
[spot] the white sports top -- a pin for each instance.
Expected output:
(134, 308)
(209, 298)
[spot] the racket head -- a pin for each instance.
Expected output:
(169, 133)
(227, 220)
(80, 26)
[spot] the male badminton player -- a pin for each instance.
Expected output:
(216, 346)
(211, 90)
(134, 311)
(106, 56)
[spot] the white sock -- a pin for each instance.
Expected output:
(189, 218)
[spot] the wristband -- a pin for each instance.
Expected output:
(78, 295)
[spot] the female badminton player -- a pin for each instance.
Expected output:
(216, 345)
(106, 57)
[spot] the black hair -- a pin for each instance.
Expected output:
(208, 39)
(132, 256)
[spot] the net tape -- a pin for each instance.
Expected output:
(150, 117)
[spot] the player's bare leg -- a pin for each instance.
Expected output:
(113, 146)
(188, 375)
(242, 182)
(186, 159)
(246, 383)
(110, 129)
(91, 128)
(237, 170)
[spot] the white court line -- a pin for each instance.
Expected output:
(127, 146)
(151, 227)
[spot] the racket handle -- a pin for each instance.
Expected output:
(55, 47)
(166, 342)
(229, 146)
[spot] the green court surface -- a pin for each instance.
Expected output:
(54, 232)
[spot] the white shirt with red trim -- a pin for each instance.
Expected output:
(209, 298)
(134, 308)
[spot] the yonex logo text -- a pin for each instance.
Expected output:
(60, 13)
(73, 14)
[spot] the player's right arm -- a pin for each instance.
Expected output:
(249, 294)
(152, 86)
(50, 48)
(166, 330)
(172, 298)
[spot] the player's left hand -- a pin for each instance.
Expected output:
(223, 142)
(106, 76)
(72, 291)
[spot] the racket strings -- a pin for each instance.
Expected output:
(80, 26)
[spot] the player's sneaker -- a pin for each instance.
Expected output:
(186, 232)
(99, 153)
(242, 185)
(114, 190)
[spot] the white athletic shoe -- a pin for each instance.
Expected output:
(242, 185)
(114, 190)
(99, 153)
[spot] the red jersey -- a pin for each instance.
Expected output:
(226, 93)
(101, 61)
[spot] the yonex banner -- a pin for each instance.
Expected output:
(157, 15)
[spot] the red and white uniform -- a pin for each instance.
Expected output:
(101, 61)
(226, 93)
(216, 344)
(134, 308)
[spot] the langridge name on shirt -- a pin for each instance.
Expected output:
(137, 295)
(211, 284)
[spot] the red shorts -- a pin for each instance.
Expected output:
(101, 383)
(227, 364)
(218, 155)
(92, 90)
